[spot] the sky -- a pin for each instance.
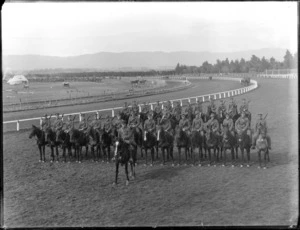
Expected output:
(77, 28)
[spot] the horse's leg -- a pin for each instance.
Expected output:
(179, 155)
(265, 158)
(156, 146)
(145, 155)
(152, 156)
(57, 153)
(52, 153)
(186, 155)
(224, 157)
(44, 153)
(163, 154)
(200, 155)
(117, 171)
(41, 154)
(243, 159)
(209, 156)
(259, 158)
(86, 151)
(108, 153)
(126, 172)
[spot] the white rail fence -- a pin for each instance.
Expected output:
(286, 76)
(219, 95)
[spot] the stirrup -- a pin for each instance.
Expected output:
(131, 159)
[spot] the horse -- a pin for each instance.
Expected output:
(94, 142)
(165, 142)
(138, 138)
(143, 118)
(244, 143)
(124, 116)
(221, 116)
(50, 137)
(41, 143)
(228, 142)
(122, 156)
(212, 142)
(79, 139)
(105, 141)
(149, 142)
(63, 140)
(197, 140)
(262, 146)
(182, 140)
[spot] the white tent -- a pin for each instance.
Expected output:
(17, 79)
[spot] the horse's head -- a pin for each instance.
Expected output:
(34, 131)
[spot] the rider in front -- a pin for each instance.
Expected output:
(96, 123)
(213, 124)
(165, 122)
(184, 124)
(134, 122)
(211, 108)
(107, 125)
(261, 127)
(198, 123)
(232, 108)
(69, 124)
(126, 134)
(228, 123)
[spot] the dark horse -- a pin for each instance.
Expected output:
(197, 141)
(52, 143)
(106, 140)
(212, 142)
(41, 143)
(63, 140)
(182, 140)
(79, 139)
(122, 155)
(149, 142)
(228, 142)
(244, 143)
(165, 142)
(262, 146)
(94, 143)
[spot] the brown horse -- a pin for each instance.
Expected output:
(165, 143)
(244, 143)
(149, 142)
(228, 143)
(182, 140)
(197, 141)
(212, 143)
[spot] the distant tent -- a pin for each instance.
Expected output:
(17, 79)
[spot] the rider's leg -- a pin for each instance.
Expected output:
(269, 141)
(254, 140)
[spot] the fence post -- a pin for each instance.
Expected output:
(172, 104)
(189, 100)
(140, 108)
(79, 117)
(196, 99)
(97, 114)
(220, 96)
(41, 121)
(215, 96)
(162, 105)
(18, 125)
(180, 102)
(203, 99)
(151, 105)
(112, 113)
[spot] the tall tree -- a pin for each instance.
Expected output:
(288, 60)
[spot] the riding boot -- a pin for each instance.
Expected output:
(269, 142)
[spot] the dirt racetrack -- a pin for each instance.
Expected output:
(71, 194)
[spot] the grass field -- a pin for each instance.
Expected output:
(46, 91)
(52, 195)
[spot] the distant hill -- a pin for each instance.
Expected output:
(128, 61)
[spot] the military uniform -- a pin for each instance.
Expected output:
(213, 124)
(197, 124)
(158, 109)
(198, 107)
(149, 126)
(244, 107)
(107, 125)
(165, 123)
(168, 107)
(222, 108)
(241, 124)
(185, 125)
(135, 108)
(118, 123)
(69, 124)
(146, 109)
(46, 123)
(83, 125)
(228, 124)
(261, 127)
(126, 110)
(126, 134)
(96, 124)
(177, 110)
(211, 108)
(232, 109)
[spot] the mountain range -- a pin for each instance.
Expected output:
(129, 61)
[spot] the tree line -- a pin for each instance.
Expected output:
(255, 64)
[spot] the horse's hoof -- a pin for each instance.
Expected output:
(232, 166)
(215, 165)
(161, 164)
(258, 167)
(208, 165)
(185, 164)
(199, 165)
(151, 165)
(173, 165)
(69, 162)
(248, 166)
(40, 161)
(51, 161)
(265, 167)
(79, 162)
(102, 161)
(127, 183)
(223, 165)
(242, 166)
(114, 184)
(56, 161)
(145, 165)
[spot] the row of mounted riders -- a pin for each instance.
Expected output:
(160, 131)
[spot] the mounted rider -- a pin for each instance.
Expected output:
(222, 108)
(261, 127)
(232, 108)
(69, 124)
(211, 108)
(168, 106)
(198, 123)
(135, 107)
(127, 135)
(46, 123)
(242, 124)
(149, 125)
(96, 123)
(245, 107)
(146, 108)
(165, 122)
(198, 107)
(185, 124)
(134, 123)
(118, 122)
(157, 110)
(83, 125)
(58, 125)
(107, 124)
(177, 110)
(213, 124)
(228, 124)
(126, 109)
